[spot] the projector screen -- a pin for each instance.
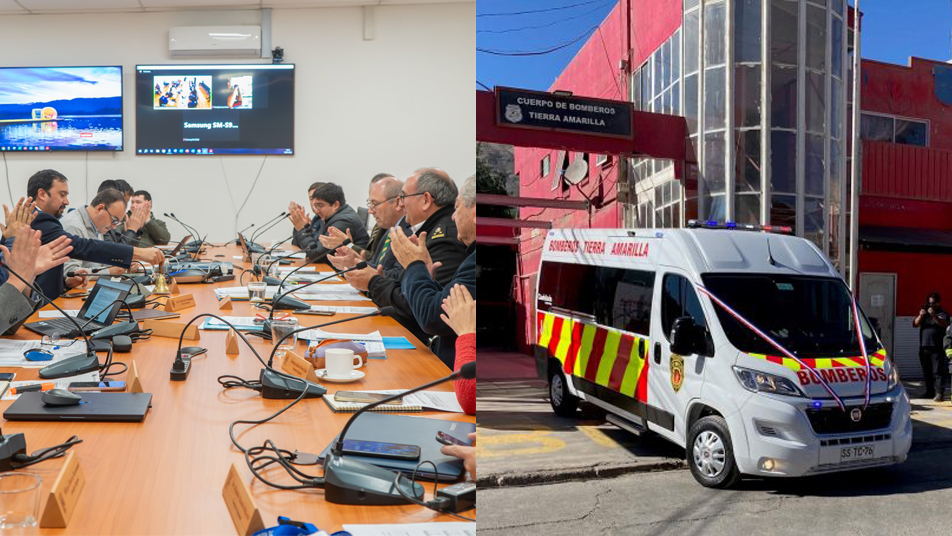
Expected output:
(61, 108)
(215, 109)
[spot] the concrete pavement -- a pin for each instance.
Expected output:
(522, 442)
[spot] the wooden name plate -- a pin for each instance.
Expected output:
(296, 365)
(177, 303)
(225, 304)
(172, 330)
(64, 495)
(241, 505)
(173, 288)
(231, 343)
(133, 382)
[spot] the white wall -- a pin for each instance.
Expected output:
(399, 102)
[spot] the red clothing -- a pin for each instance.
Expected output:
(466, 389)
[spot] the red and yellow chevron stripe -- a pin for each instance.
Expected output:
(877, 359)
(605, 356)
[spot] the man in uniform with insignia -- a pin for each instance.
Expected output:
(428, 197)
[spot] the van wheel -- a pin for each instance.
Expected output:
(711, 454)
(564, 403)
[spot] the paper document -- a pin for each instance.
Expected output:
(438, 400)
(243, 323)
(314, 293)
(289, 254)
(373, 342)
(11, 352)
(338, 309)
(58, 383)
(57, 314)
(288, 269)
(413, 529)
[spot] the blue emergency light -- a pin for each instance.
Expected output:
(713, 224)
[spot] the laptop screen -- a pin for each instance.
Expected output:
(105, 292)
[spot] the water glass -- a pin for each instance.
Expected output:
(256, 291)
(280, 328)
(19, 503)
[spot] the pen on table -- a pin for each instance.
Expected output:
(32, 387)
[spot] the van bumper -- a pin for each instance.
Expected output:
(781, 441)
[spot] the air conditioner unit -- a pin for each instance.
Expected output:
(215, 41)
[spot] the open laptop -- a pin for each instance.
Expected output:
(103, 407)
(96, 313)
(178, 247)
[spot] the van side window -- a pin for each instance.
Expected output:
(615, 297)
(678, 298)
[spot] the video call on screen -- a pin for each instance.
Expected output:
(220, 109)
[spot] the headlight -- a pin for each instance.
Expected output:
(892, 377)
(760, 382)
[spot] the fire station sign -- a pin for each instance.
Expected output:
(540, 110)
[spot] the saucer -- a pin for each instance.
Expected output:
(354, 375)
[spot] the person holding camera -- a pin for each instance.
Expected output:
(932, 323)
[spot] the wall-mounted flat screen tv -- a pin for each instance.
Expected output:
(61, 108)
(214, 109)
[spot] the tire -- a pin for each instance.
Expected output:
(710, 453)
(564, 403)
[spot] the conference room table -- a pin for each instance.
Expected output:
(165, 474)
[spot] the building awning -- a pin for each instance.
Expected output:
(905, 239)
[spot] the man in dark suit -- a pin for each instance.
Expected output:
(50, 190)
(428, 197)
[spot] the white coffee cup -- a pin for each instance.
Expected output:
(340, 362)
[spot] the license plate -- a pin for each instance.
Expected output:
(859, 452)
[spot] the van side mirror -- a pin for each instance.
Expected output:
(687, 337)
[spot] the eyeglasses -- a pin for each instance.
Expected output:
(403, 197)
(114, 221)
(373, 206)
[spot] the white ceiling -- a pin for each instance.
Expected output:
(33, 7)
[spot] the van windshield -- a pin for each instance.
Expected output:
(809, 316)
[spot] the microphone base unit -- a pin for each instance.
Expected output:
(351, 481)
(277, 387)
(80, 364)
(10, 446)
(135, 301)
(119, 328)
(289, 303)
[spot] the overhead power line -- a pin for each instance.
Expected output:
(537, 52)
(546, 10)
(599, 7)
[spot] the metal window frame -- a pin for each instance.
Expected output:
(927, 122)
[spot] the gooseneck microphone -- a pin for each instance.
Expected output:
(267, 225)
(257, 268)
(70, 366)
(243, 230)
(351, 481)
(193, 231)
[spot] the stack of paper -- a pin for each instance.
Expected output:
(242, 323)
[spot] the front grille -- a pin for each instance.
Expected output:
(836, 421)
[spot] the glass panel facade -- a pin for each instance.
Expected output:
(783, 210)
(691, 33)
(690, 102)
(876, 127)
(747, 208)
(816, 38)
(747, 161)
(714, 99)
(836, 40)
(714, 32)
(784, 19)
(911, 132)
(815, 102)
(747, 24)
(747, 96)
(814, 174)
(783, 97)
(714, 162)
(783, 161)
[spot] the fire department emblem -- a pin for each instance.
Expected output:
(856, 415)
(513, 113)
(677, 372)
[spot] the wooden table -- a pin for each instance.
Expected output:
(165, 475)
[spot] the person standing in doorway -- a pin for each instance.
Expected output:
(932, 322)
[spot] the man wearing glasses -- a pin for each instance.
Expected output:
(330, 205)
(383, 203)
(50, 190)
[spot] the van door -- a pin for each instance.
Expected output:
(673, 380)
